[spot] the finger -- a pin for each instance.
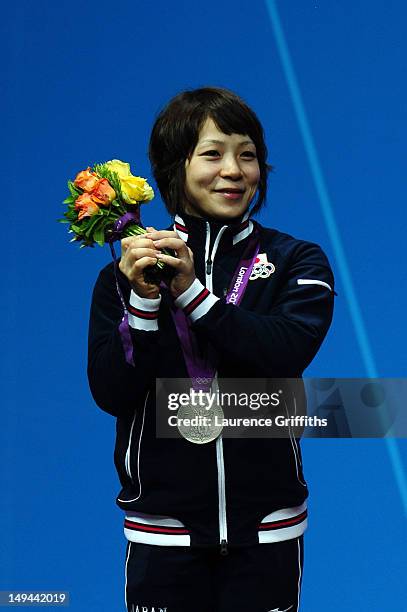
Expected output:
(140, 243)
(129, 240)
(158, 234)
(143, 243)
(191, 255)
(172, 243)
(144, 262)
(174, 262)
(124, 246)
(137, 254)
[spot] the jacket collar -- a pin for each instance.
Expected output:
(189, 227)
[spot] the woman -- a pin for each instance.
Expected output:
(214, 526)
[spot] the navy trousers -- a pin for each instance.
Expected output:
(261, 578)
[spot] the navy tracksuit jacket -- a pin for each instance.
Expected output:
(230, 492)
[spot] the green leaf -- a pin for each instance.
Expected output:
(116, 204)
(133, 230)
(99, 235)
(74, 191)
(93, 223)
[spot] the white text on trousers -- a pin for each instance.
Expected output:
(147, 609)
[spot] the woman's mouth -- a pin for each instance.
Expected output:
(231, 194)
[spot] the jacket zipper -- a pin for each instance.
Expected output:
(208, 260)
(223, 528)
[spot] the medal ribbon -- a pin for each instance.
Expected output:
(124, 330)
(200, 370)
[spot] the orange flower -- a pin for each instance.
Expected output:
(86, 180)
(86, 206)
(103, 193)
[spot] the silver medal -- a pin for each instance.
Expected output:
(199, 423)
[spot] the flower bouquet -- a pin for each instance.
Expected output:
(104, 206)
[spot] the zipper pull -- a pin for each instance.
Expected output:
(209, 265)
(223, 548)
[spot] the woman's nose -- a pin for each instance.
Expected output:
(230, 167)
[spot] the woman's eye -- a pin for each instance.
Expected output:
(211, 153)
(214, 153)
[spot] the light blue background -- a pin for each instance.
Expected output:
(83, 83)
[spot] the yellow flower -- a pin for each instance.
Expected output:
(135, 189)
(148, 192)
(122, 168)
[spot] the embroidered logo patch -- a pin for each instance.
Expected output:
(262, 268)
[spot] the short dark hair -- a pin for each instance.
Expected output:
(175, 134)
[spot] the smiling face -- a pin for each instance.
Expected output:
(221, 175)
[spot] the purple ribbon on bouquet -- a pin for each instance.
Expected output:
(120, 224)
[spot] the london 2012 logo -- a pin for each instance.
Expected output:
(262, 268)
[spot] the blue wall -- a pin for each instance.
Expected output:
(84, 82)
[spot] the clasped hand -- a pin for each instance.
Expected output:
(139, 252)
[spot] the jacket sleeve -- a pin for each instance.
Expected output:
(284, 340)
(115, 384)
